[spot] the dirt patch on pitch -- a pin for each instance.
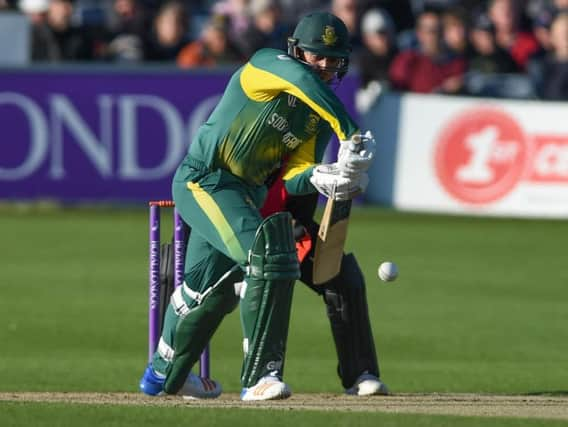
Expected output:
(550, 407)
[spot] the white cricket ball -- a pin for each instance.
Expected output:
(388, 271)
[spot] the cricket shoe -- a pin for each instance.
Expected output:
(368, 385)
(196, 387)
(152, 383)
(267, 388)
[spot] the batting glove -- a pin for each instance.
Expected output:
(330, 182)
(356, 154)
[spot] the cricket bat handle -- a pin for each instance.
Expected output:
(354, 147)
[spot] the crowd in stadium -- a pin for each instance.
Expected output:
(499, 48)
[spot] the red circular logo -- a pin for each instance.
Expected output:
(481, 155)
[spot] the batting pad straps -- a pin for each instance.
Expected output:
(198, 297)
(194, 295)
(165, 351)
(179, 305)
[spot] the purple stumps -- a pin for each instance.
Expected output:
(179, 249)
(154, 321)
(154, 280)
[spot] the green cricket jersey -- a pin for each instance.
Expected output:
(273, 108)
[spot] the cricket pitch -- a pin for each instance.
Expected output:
(553, 406)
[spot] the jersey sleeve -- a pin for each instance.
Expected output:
(270, 72)
(298, 168)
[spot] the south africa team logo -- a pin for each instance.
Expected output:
(312, 123)
(329, 37)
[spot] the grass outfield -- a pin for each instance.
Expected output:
(479, 307)
(51, 415)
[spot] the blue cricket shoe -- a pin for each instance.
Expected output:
(151, 383)
(194, 387)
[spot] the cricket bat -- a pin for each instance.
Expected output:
(331, 238)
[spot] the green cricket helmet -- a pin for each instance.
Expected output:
(323, 34)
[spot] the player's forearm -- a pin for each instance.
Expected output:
(300, 184)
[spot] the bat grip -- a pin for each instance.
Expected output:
(354, 147)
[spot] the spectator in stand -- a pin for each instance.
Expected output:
(542, 23)
(348, 12)
(560, 5)
(213, 48)
(236, 12)
(506, 16)
(35, 10)
(266, 29)
(455, 36)
(552, 79)
(126, 31)
(379, 49)
(541, 29)
(488, 57)
(129, 17)
(429, 68)
(73, 42)
(169, 33)
(492, 70)
(455, 32)
(43, 44)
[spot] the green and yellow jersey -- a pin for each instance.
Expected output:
(273, 108)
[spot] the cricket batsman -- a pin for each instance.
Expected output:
(277, 106)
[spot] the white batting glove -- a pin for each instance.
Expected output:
(329, 181)
(356, 154)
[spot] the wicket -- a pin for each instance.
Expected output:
(154, 318)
